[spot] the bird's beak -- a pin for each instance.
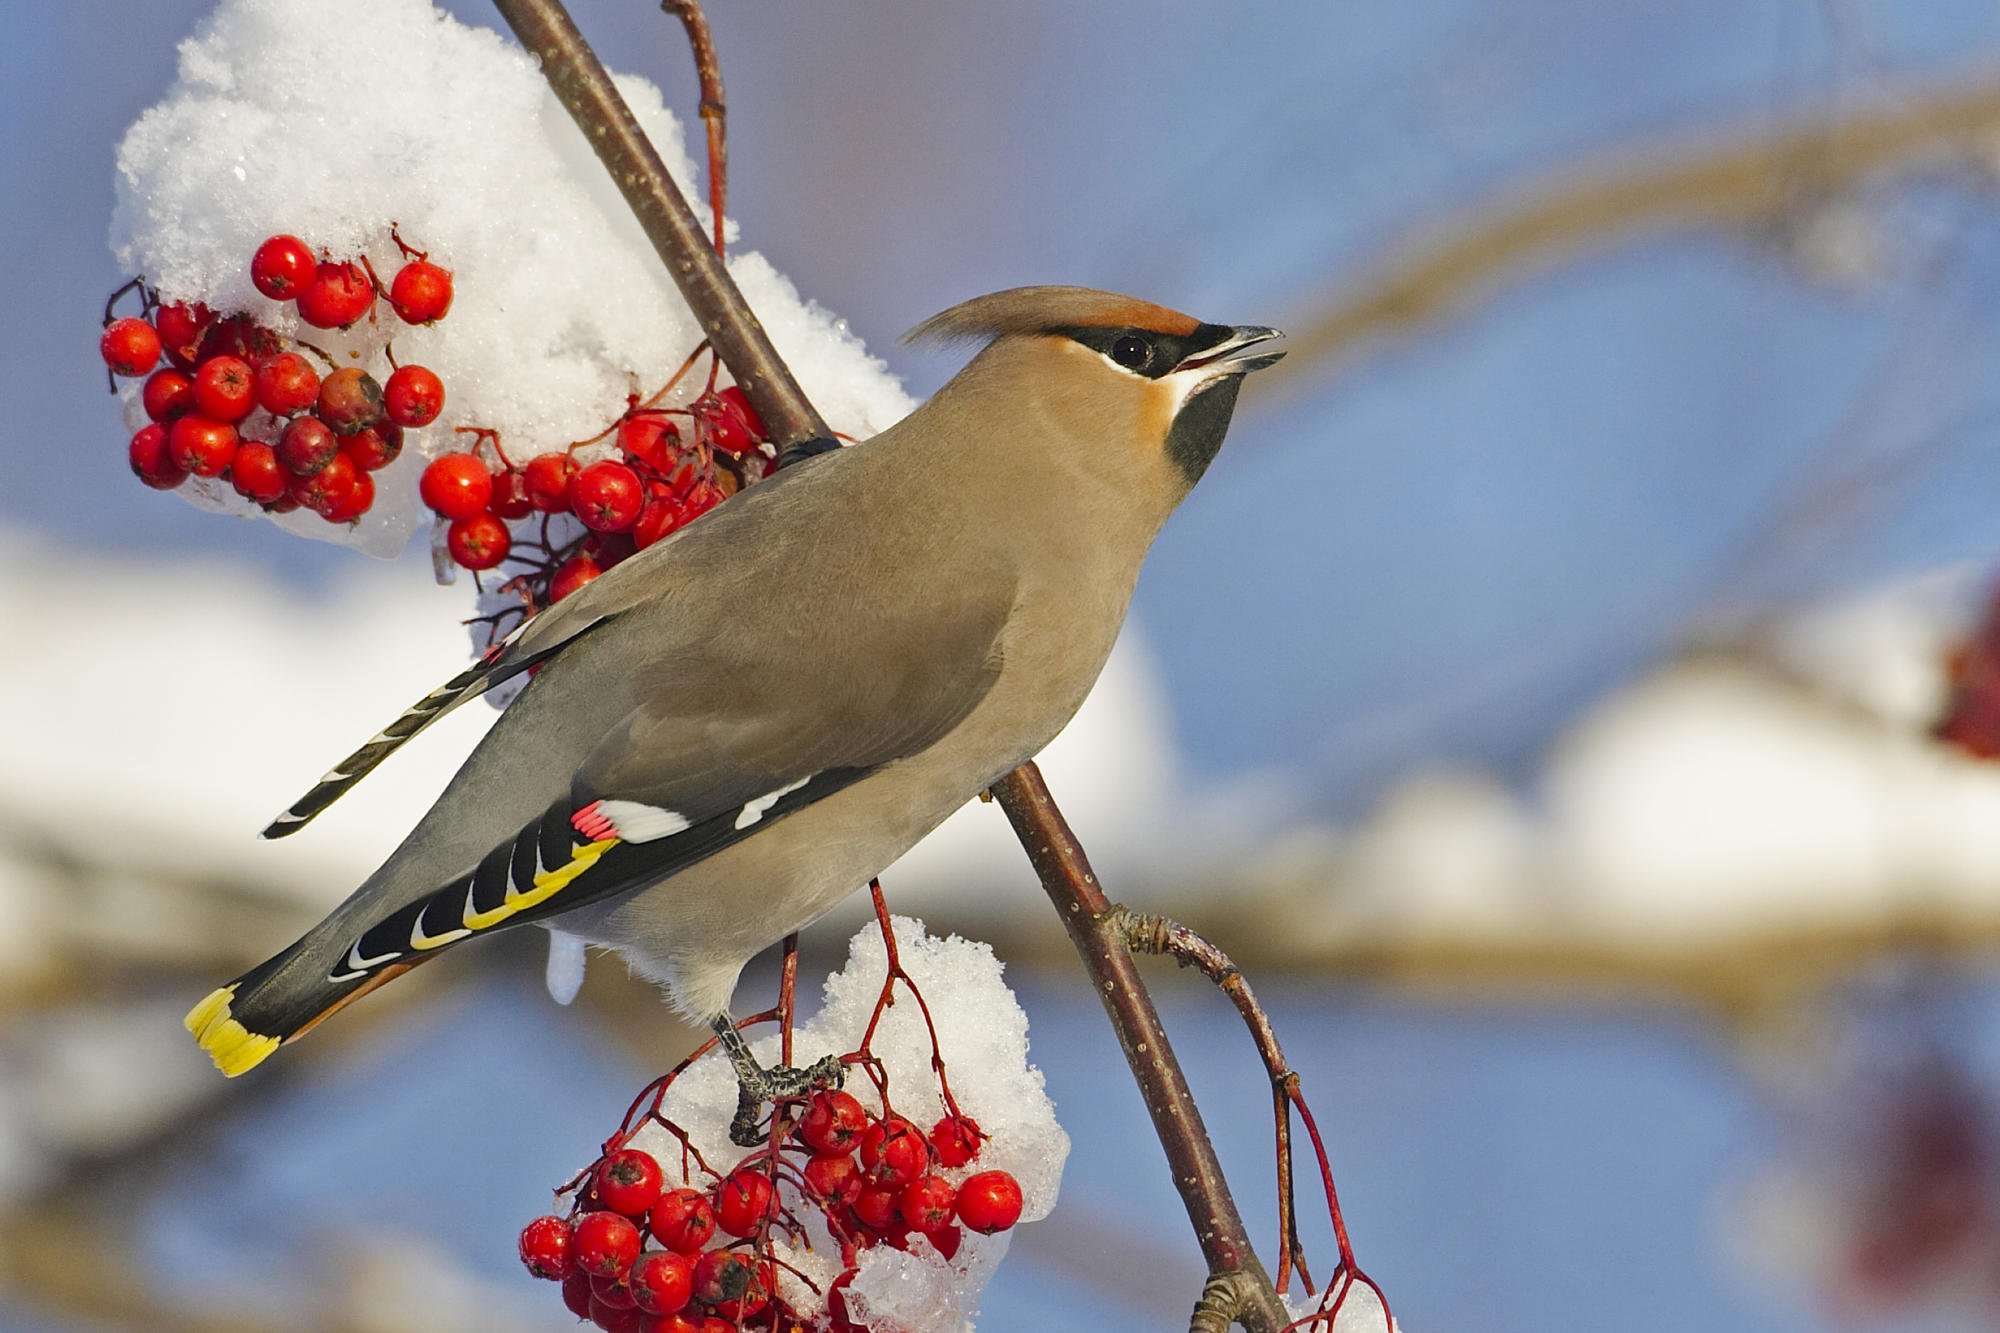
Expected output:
(1232, 356)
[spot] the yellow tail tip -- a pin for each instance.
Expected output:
(233, 1047)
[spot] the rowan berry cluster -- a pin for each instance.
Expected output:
(237, 399)
(636, 1256)
(659, 469)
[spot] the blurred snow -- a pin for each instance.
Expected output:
(1716, 798)
(982, 1035)
(561, 306)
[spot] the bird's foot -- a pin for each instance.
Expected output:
(756, 1084)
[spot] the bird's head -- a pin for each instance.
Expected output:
(1149, 387)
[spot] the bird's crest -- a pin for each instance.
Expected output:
(1029, 310)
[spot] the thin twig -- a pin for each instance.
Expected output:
(714, 112)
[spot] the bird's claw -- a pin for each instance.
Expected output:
(756, 1085)
(759, 1085)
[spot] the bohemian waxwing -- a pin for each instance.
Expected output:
(738, 726)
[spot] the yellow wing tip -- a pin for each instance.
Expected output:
(234, 1048)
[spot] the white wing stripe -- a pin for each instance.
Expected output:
(754, 810)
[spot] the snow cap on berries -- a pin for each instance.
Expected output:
(983, 1035)
(560, 308)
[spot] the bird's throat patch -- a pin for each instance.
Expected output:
(1196, 435)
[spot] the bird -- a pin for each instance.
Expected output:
(735, 728)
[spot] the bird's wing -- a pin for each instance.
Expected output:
(537, 640)
(693, 771)
(689, 773)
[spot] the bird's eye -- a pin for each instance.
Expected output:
(1132, 352)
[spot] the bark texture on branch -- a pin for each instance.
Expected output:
(1097, 928)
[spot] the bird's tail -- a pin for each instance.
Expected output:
(380, 933)
(281, 998)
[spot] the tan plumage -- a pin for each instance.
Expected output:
(740, 725)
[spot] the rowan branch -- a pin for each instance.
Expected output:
(1750, 180)
(586, 91)
(1096, 928)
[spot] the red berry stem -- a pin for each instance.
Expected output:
(147, 299)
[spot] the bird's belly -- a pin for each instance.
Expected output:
(696, 930)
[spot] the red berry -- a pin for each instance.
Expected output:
(241, 337)
(570, 575)
(349, 398)
(510, 495)
(726, 429)
(152, 462)
(691, 1322)
(926, 1203)
(700, 499)
(663, 1281)
(614, 1318)
(373, 447)
(649, 437)
(338, 295)
(725, 1282)
(605, 1244)
(837, 1179)
(946, 1240)
(256, 473)
(878, 1207)
(614, 1290)
(413, 396)
(225, 389)
(743, 1201)
(329, 490)
(358, 499)
(457, 486)
(420, 292)
(894, 1152)
(955, 1140)
(479, 541)
(548, 478)
(545, 1248)
(167, 394)
(608, 548)
(833, 1123)
(683, 1220)
(201, 445)
(576, 1289)
(738, 402)
(628, 1182)
(307, 445)
(282, 267)
(989, 1202)
(181, 326)
(287, 383)
(662, 514)
(607, 496)
(130, 346)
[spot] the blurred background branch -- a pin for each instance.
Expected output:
(1758, 181)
